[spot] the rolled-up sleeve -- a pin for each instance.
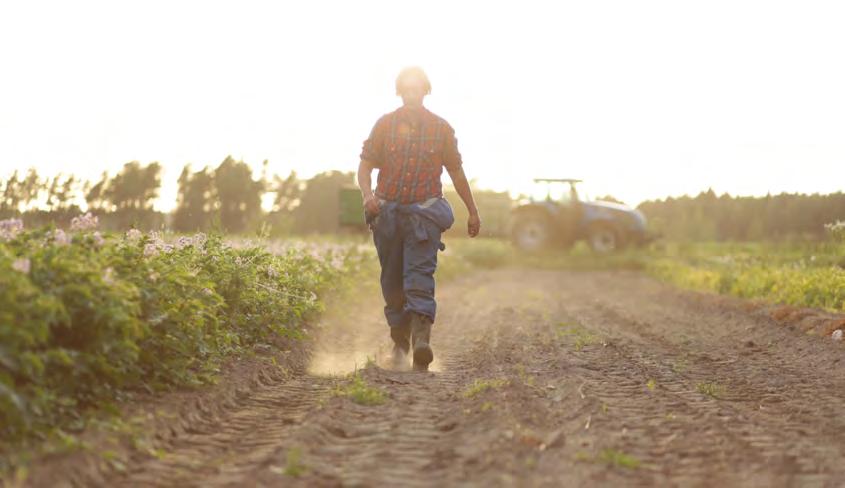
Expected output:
(373, 150)
(451, 156)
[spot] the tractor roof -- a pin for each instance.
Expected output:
(556, 180)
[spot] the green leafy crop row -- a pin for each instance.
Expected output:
(807, 277)
(86, 317)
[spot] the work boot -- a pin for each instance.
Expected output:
(401, 336)
(420, 337)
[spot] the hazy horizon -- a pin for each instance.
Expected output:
(643, 101)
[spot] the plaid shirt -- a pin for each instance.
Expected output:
(410, 149)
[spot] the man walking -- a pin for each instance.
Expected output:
(407, 213)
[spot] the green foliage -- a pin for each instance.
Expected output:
(479, 386)
(360, 392)
(581, 337)
(708, 217)
(710, 389)
(836, 231)
(809, 275)
(294, 466)
(618, 459)
(85, 318)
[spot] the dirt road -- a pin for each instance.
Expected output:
(542, 378)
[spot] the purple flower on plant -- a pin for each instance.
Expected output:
(61, 238)
(133, 235)
(21, 265)
(84, 222)
(10, 228)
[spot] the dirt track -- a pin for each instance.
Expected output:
(599, 378)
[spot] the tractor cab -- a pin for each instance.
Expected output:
(550, 216)
(556, 216)
(557, 190)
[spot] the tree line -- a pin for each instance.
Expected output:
(226, 196)
(229, 197)
(708, 217)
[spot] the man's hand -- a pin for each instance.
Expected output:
(371, 204)
(459, 179)
(365, 168)
(473, 225)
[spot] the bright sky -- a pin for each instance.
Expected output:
(642, 99)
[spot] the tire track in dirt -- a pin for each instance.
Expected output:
(406, 442)
(365, 446)
(220, 449)
(773, 420)
(591, 379)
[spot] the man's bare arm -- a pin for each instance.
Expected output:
(459, 179)
(365, 183)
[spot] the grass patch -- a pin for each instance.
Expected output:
(294, 466)
(361, 393)
(580, 336)
(808, 274)
(480, 386)
(804, 274)
(524, 377)
(618, 459)
(680, 366)
(710, 389)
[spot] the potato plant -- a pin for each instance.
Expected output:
(86, 317)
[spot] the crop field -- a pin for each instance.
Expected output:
(145, 359)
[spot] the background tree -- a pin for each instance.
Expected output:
(195, 202)
(238, 195)
(134, 187)
(319, 204)
(31, 187)
(287, 194)
(727, 218)
(11, 195)
(131, 193)
(95, 192)
(60, 192)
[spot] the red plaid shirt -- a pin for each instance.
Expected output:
(410, 149)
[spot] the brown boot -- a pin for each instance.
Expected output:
(420, 338)
(401, 336)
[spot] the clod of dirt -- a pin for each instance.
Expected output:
(837, 335)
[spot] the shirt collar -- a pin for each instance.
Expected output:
(412, 115)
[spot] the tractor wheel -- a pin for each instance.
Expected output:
(532, 232)
(604, 239)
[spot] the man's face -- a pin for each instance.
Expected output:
(412, 91)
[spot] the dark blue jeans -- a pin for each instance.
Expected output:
(407, 238)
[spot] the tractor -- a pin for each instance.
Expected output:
(560, 219)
